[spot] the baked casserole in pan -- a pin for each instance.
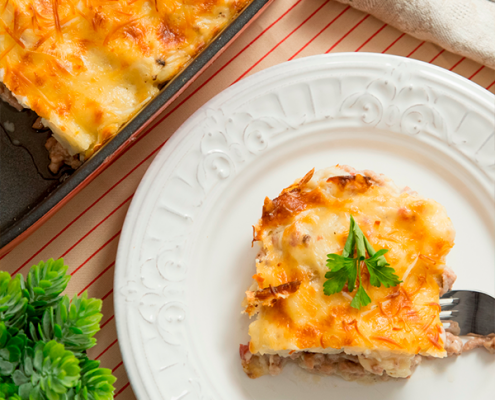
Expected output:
(86, 67)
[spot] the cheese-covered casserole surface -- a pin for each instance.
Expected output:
(309, 220)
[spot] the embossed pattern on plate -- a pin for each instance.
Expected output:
(184, 257)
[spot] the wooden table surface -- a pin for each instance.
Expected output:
(85, 232)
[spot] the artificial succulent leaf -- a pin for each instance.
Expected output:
(78, 321)
(13, 304)
(96, 383)
(11, 350)
(44, 283)
(54, 372)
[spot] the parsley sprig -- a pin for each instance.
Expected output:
(346, 268)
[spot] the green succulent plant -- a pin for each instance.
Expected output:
(44, 338)
(13, 303)
(44, 283)
(96, 383)
(13, 396)
(48, 371)
(71, 323)
(11, 349)
(8, 389)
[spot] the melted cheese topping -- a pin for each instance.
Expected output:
(86, 67)
(309, 220)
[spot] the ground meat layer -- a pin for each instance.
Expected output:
(455, 346)
(60, 156)
(448, 279)
(486, 342)
(7, 96)
(344, 365)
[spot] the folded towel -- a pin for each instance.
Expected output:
(465, 27)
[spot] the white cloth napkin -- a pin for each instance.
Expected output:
(465, 27)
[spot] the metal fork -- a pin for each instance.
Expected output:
(473, 311)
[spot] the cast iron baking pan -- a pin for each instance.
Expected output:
(30, 193)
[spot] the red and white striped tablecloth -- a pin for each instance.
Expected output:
(86, 230)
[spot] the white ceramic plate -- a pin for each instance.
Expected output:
(185, 256)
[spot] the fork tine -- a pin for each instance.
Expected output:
(450, 315)
(449, 303)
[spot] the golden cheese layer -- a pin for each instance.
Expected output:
(309, 220)
(88, 66)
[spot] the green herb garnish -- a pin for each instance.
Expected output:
(44, 338)
(346, 268)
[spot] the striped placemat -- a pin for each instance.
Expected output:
(86, 230)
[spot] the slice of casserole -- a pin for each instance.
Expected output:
(86, 67)
(295, 320)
